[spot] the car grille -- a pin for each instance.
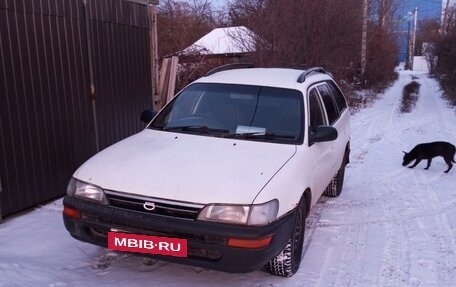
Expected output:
(181, 210)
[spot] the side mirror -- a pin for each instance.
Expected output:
(147, 116)
(323, 134)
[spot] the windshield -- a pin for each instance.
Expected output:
(236, 111)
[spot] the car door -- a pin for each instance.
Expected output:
(343, 122)
(335, 110)
(322, 161)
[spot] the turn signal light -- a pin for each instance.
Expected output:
(71, 212)
(249, 243)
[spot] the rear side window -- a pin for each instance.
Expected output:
(340, 100)
(329, 103)
(316, 115)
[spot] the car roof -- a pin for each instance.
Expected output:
(272, 77)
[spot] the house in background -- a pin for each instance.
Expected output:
(228, 44)
(219, 47)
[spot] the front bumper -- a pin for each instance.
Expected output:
(207, 241)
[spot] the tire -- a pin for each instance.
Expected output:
(334, 188)
(287, 262)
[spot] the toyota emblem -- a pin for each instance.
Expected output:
(149, 206)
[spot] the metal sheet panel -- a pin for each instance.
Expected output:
(46, 117)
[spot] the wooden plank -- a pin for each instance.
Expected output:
(172, 78)
(162, 92)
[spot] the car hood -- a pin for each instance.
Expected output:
(184, 167)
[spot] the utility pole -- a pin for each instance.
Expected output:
(364, 39)
(409, 49)
(415, 16)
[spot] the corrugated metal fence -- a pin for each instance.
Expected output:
(66, 89)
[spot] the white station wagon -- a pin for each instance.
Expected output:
(224, 176)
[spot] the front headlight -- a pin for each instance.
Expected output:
(252, 214)
(87, 191)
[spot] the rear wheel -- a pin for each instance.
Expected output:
(286, 264)
(335, 186)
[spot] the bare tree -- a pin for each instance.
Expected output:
(303, 33)
(428, 32)
(182, 23)
(295, 33)
(445, 51)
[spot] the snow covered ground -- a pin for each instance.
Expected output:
(391, 226)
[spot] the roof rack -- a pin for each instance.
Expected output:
(304, 74)
(229, 67)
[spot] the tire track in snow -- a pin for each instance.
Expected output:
(398, 205)
(354, 248)
(429, 92)
(354, 256)
(380, 118)
(407, 256)
(439, 230)
(390, 219)
(438, 235)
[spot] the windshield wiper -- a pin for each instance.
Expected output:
(201, 129)
(257, 135)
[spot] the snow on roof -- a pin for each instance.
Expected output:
(228, 40)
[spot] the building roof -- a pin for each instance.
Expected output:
(228, 40)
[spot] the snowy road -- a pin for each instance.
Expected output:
(391, 226)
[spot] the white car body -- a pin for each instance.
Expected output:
(204, 170)
(275, 178)
(186, 167)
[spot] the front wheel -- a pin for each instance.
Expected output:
(286, 264)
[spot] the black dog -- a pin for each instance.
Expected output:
(429, 151)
